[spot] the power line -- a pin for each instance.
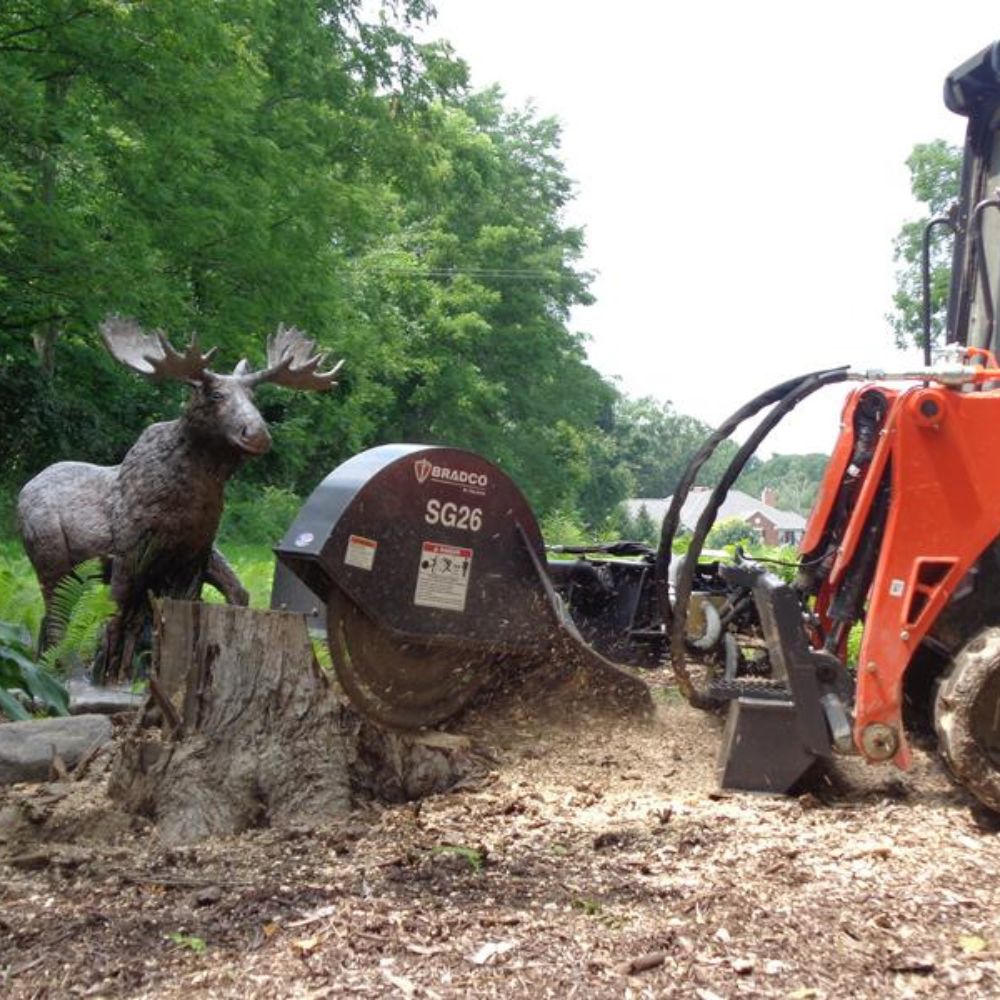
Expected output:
(509, 273)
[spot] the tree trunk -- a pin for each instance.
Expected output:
(46, 333)
(251, 733)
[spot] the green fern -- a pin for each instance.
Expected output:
(80, 606)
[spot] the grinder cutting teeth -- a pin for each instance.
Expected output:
(400, 682)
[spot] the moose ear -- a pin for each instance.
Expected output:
(243, 368)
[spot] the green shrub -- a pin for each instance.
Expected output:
(564, 527)
(682, 542)
(254, 565)
(854, 639)
(257, 515)
(20, 598)
(731, 531)
(781, 560)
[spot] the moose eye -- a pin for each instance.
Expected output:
(216, 396)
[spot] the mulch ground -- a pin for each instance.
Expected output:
(595, 859)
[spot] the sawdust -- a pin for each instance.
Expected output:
(596, 859)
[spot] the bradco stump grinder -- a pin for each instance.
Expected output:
(434, 579)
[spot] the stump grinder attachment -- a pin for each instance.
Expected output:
(427, 568)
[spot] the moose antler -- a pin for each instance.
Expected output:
(291, 363)
(151, 354)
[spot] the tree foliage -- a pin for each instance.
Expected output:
(794, 478)
(731, 531)
(227, 166)
(655, 443)
(224, 166)
(935, 171)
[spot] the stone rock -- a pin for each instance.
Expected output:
(27, 748)
(86, 698)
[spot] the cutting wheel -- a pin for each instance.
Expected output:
(398, 683)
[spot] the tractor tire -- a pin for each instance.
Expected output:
(967, 717)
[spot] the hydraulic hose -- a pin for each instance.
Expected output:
(925, 277)
(785, 398)
(672, 518)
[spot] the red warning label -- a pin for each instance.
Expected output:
(443, 576)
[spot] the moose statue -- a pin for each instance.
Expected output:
(153, 519)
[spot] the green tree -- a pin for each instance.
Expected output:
(794, 478)
(197, 164)
(731, 531)
(226, 166)
(655, 444)
(210, 166)
(472, 290)
(646, 529)
(935, 169)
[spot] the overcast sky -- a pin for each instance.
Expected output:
(740, 171)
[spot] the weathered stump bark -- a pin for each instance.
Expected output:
(251, 734)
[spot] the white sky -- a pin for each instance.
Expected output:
(740, 171)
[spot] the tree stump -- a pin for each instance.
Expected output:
(242, 729)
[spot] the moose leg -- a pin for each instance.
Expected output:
(223, 577)
(132, 626)
(106, 661)
(114, 658)
(46, 629)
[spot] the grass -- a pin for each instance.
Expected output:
(188, 941)
(474, 857)
(21, 600)
(254, 565)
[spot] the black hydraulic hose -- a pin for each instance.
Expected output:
(976, 229)
(925, 277)
(799, 389)
(672, 518)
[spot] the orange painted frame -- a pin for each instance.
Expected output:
(829, 490)
(944, 511)
(833, 476)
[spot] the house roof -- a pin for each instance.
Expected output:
(736, 504)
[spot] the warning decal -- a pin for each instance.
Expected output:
(360, 552)
(443, 577)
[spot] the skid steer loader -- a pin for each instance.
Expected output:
(429, 571)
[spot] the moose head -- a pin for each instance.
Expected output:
(221, 406)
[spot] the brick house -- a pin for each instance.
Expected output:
(775, 526)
